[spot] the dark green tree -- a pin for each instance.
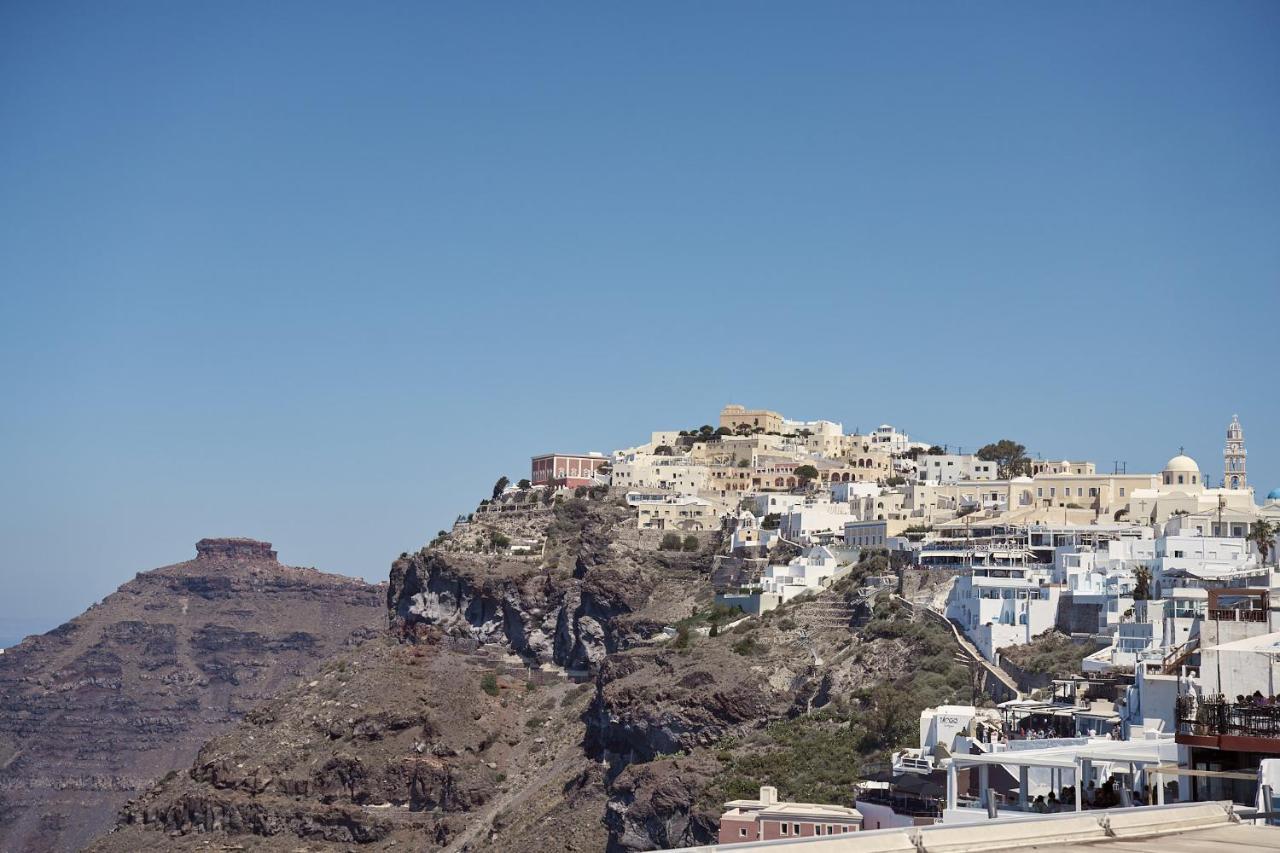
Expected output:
(807, 474)
(502, 483)
(1010, 457)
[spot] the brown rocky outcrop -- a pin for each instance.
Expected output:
(653, 805)
(592, 593)
(655, 702)
(94, 711)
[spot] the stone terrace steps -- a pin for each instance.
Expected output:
(825, 611)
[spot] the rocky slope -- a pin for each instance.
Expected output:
(98, 709)
(594, 590)
(463, 727)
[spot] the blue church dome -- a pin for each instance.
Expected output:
(1273, 495)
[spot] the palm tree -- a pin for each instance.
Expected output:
(1262, 535)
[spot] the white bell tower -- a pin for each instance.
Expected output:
(1233, 455)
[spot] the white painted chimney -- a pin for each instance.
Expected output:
(768, 795)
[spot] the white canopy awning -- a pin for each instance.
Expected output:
(1119, 752)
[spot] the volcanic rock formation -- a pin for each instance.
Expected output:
(534, 702)
(95, 711)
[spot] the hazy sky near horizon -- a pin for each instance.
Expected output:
(318, 272)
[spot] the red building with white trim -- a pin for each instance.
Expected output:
(766, 819)
(566, 469)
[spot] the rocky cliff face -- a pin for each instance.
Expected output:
(592, 592)
(451, 730)
(458, 730)
(96, 710)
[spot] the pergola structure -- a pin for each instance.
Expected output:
(1079, 760)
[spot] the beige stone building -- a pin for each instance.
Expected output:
(755, 420)
(1105, 494)
(1065, 466)
(670, 473)
(736, 449)
(1102, 494)
(681, 513)
(1180, 489)
(875, 462)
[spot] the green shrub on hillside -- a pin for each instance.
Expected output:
(818, 757)
(812, 759)
(1051, 653)
(568, 519)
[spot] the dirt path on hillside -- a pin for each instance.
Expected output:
(567, 761)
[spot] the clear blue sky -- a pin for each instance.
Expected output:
(318, 273)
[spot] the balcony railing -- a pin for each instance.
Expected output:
(904, 805)
(1222, 615)
(1216, 716)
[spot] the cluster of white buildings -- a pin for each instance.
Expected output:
(1152, 567)
(1166, 573)
(1162, 571)
(1061, 544)
(768, 480)
(1157, 569)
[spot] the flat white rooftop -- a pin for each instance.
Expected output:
(1179, 828)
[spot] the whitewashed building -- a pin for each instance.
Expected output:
(953, 468)
(811, 522)
(1001, 606)
(808, 573)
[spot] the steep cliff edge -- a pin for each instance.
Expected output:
(99, 708)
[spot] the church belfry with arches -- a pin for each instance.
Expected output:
(1233, 457)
